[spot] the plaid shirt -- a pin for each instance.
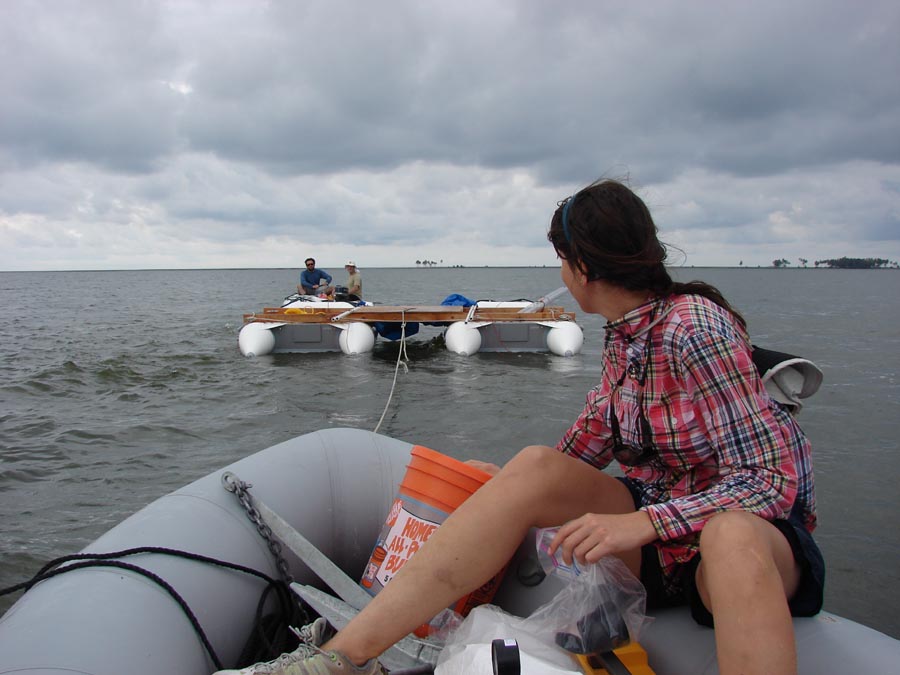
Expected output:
(722, 442)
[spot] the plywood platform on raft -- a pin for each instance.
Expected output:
(438, 314)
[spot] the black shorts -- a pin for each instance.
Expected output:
(682, 588)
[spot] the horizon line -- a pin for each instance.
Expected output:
(400, 267)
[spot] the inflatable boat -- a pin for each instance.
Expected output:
(335, 487)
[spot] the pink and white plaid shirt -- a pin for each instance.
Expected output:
(722, 442)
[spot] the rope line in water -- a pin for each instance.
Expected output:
(401, 357)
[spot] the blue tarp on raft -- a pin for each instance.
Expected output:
(393, 330)
(457, 300)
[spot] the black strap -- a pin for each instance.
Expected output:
(291, 613)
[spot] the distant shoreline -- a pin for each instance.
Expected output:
(445, 267)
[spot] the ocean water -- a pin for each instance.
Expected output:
(118, 387)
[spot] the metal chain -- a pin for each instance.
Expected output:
(241, 490)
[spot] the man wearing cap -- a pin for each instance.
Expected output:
(354, 280)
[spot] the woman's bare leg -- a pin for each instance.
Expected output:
(745, 577)
(539, 487)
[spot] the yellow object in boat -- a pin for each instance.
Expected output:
(632, 656)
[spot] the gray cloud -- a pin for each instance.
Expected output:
(231, 122)
(85, 85)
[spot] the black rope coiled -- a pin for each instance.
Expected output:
(264, 647)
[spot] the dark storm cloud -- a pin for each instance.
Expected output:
(80, 82)
(321, 87)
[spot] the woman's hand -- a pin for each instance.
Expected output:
(594, 535)
(487, 467)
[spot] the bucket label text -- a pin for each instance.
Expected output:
(404, 538)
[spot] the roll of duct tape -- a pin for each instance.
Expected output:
(505, 656)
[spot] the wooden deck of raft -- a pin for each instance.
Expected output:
(410, 313)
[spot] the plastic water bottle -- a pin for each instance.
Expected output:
(554, 564)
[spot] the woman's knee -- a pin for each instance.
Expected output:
(530, 459)
(741, 551)
(536, 468)
(743, 544)
(735, 534)
(548, 476)
(733, 556)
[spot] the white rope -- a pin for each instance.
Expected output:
(401, 358)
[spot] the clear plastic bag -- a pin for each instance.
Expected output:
(601, 607)
(468, 648)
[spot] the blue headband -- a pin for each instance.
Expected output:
(565, 218)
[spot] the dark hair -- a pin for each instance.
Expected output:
(606, 231)
(308, 259)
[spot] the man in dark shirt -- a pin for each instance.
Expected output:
(314, 281)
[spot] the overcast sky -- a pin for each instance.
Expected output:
(253, 134)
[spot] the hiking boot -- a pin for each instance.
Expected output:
(309, 659)
(312, 633)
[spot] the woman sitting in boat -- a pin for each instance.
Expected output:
(717, 502)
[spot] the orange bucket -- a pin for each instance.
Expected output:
(433, 487)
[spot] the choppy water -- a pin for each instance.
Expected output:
(118, 387)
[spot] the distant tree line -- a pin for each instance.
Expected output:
(857, 263)
(427, 263)
(842, 263)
